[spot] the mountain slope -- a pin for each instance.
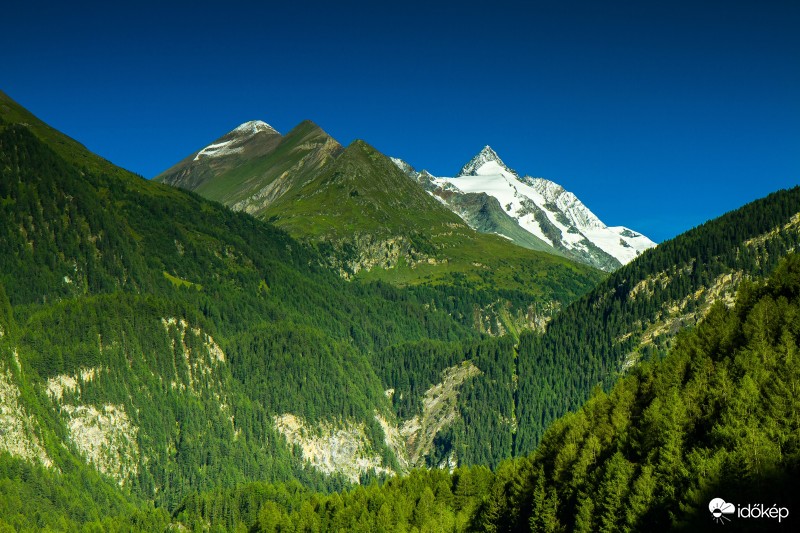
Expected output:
(716, 418)
(544, 209)
(153, 340)
(252, 166)
(372, 222)
(248, 141)
(636, 312)
(129, 342)
(362, 191)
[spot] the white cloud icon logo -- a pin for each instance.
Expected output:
(719, 508)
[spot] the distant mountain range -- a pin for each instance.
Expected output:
(555, 219)
(254, 169)
(169, 363)
(372, 222)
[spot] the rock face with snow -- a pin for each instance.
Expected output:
(554, 217)
(236, 141)
(255, 169)
(248, 141)
(253, 166)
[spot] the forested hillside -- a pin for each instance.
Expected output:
(159, 343)
(635, 313)
(167, 362)
(717, 417)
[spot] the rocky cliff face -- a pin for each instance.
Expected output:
(342, 447)
(439, 410)
(19, 431)
(366, 251)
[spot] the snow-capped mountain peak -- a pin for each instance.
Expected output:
(546, 210)
(233, 142)
(252, 127)
(551, 214)
(487, 162)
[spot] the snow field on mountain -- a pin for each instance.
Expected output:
(486, 173)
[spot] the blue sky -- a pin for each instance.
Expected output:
(658, 115)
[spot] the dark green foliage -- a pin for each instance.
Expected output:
(33, 498)
(186, 438)
(109, 272)
(487, 406)
(51, 227)
(588, 342)
(718, 417)
(424, 501)
(7, 324)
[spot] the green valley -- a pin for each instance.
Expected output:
(307, 340)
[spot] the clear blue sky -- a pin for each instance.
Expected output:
(658, 115)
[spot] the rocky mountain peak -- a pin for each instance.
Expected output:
(252, 127)
(485, 161)
(235, 140)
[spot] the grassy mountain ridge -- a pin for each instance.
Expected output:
(362, 191)
(372, 221)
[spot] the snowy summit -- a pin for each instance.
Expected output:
(253, 127)
(548, 211)
(233, 141)
(487, 162)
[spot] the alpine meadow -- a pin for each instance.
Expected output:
(285, 332)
